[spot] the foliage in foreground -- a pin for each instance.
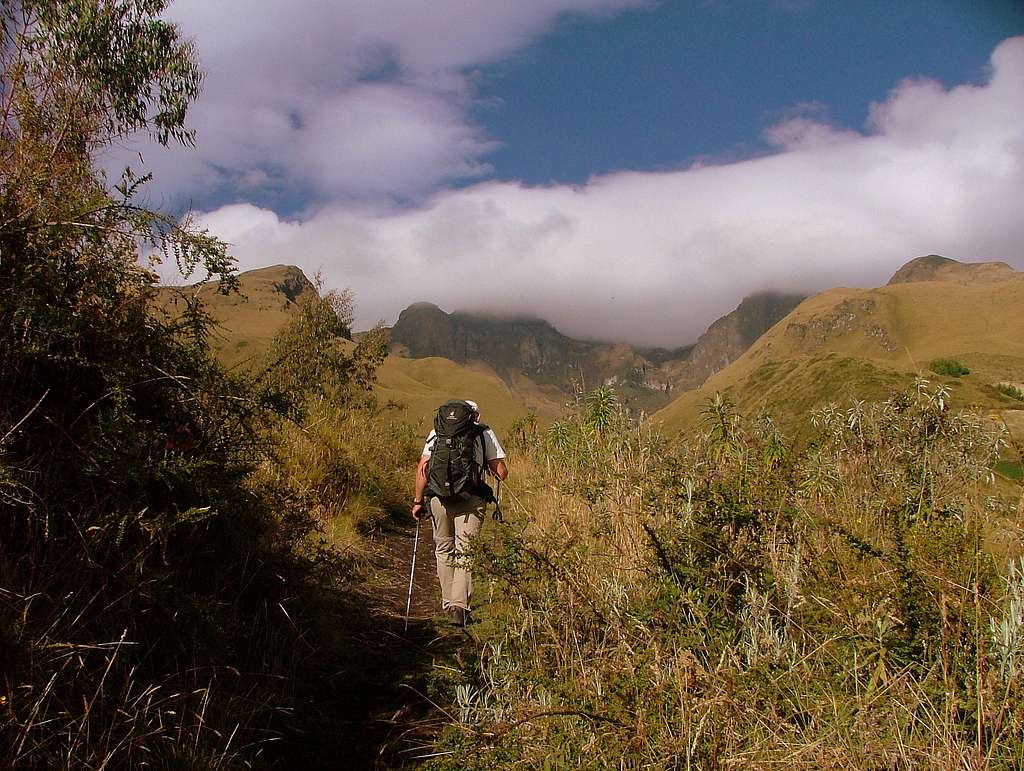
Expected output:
(725, 601)
(163, 551)
(1008, 389)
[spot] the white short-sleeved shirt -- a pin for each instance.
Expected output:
(491, 446)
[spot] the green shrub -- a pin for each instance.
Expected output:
(1011, 469)
(950, 367)
(1010, 390)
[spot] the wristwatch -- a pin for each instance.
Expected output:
(417, 503)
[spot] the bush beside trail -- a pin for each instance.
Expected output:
(722, 600)
(173, 587)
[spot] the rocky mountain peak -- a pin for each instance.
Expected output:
(288, 280)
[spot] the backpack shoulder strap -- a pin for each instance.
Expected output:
(481, 430)
(479, 434)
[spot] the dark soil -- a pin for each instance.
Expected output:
(376, 709)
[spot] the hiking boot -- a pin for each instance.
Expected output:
(458, 617)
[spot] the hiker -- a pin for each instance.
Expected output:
(453, 492)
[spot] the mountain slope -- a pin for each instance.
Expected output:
(531, 349)
(854, 343)
(412, 389)
(246, 321)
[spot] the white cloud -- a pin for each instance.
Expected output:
(385, 139)
(341, 97)
(653, 257)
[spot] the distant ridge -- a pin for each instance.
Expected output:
(531, 347)
(933, 267)
(527, 347)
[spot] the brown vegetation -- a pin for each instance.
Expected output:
(725, 601)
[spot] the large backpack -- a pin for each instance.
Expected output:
(453, 472)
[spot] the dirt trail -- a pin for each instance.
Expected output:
(401, 720)
(394, 543)
(373, 704)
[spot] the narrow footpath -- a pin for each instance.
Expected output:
(395, 717)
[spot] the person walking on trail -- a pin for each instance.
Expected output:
(451, 488)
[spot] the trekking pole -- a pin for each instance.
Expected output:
(412, 573)
(498, 516)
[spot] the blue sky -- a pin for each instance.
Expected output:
(660, 87)
(626, 169)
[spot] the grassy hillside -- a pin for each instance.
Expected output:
(246, 323)
(417, 386)
(854, 343)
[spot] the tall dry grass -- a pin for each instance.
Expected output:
(723, 601)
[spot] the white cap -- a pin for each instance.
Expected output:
(472, 405)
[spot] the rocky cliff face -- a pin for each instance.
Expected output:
(727, 338)
(528, 346)
(534, 348)
(291, 283)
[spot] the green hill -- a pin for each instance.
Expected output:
(857, 343)
(247, 321)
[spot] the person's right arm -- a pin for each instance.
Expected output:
(496, 455)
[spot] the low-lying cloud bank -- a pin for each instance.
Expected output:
(653, 257)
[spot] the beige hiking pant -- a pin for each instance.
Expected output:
(454, 525)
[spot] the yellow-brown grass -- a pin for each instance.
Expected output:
(857, 343)
(611, 641)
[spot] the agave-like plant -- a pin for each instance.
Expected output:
(1007, 630)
